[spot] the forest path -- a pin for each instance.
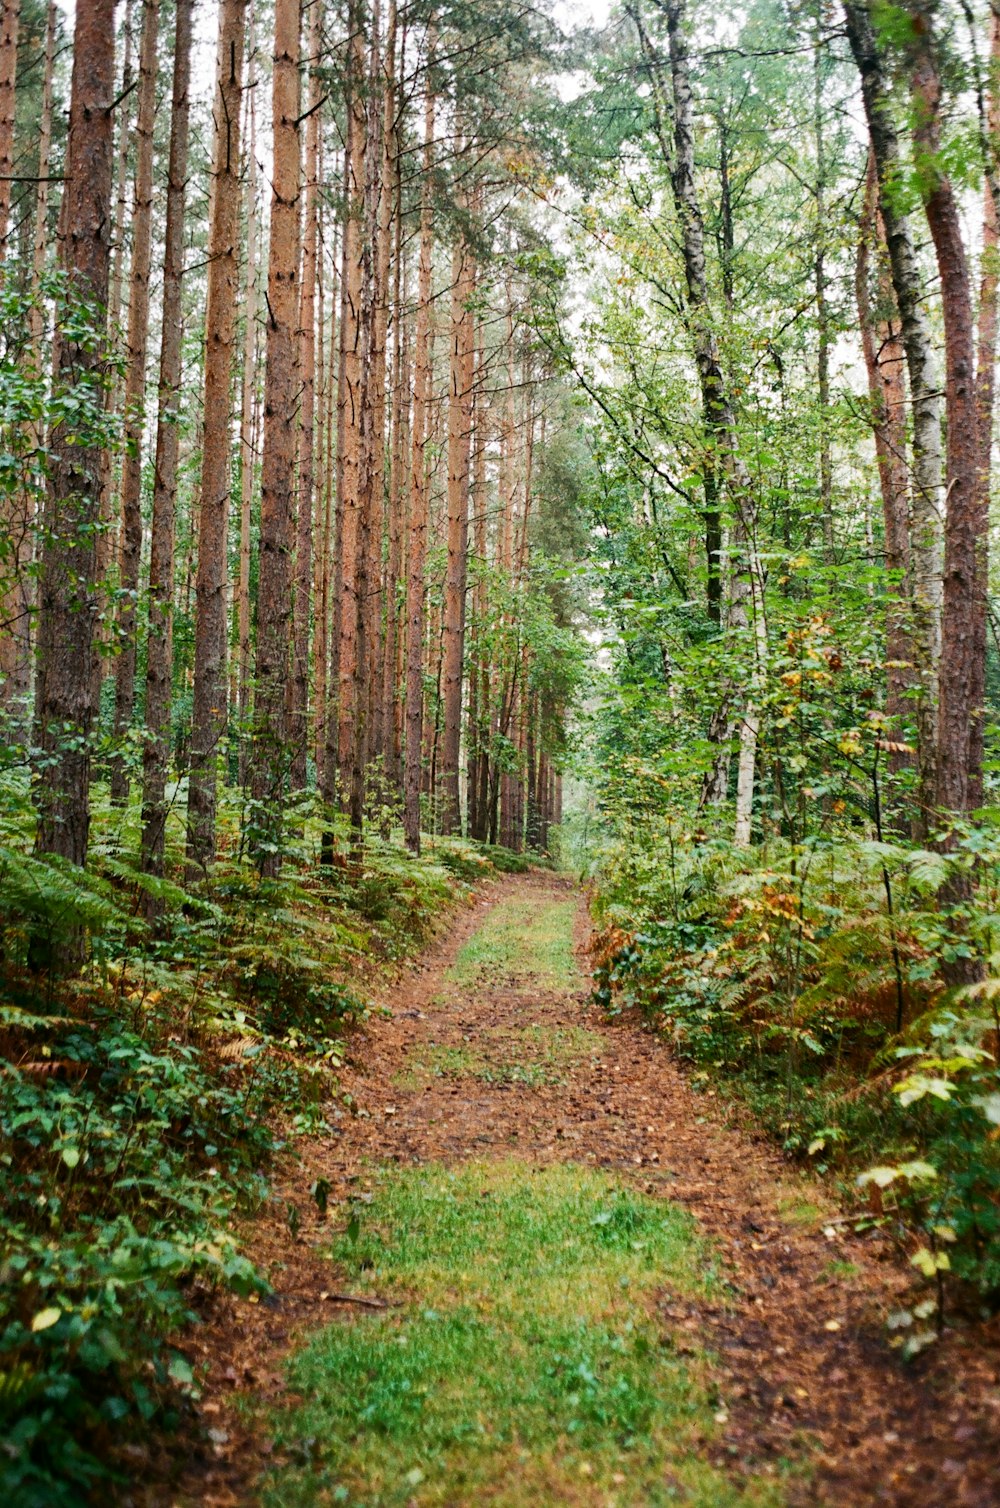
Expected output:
(556, 1328)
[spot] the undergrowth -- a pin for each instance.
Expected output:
(784, 974)
(143, 1096)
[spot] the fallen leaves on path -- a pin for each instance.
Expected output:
(803, 1363)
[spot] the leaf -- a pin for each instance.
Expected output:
(930, 1263)
(180, 1369)
(881, 1177)
(71, 1156)
(45, 1319)
(915, 1087)
(914, 1172)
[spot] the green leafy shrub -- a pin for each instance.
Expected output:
(123, 1158)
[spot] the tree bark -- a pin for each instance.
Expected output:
(67, 588)
(417, 540)
(135, 398)
(248, 420)
(299, 729)
(965, 517)
(397, 486)
(159, 644)
(350, 504)
(986, 355)
(925, 391)
(459, 452)
(746, 595)
(383, 85)
(884, 363)
(281, 394)
(18, 509)
(209, 711)
(9, 21)
(371, 437)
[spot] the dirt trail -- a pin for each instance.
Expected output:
(802, 1362)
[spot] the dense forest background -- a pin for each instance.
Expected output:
(434, 439)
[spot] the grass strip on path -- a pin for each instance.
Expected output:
(523, 1364)
(525, 940)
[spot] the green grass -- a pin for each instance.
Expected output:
(524, 1364)
(527, 1056)
(521, 940)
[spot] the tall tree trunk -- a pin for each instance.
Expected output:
(986, 355)
(417, 542)
(332, 786)
(9, 20)
(67, 589)
(299, 729)
(378, 596)
(925, 391)
(135, 397)
(17, 511)
(350, 505)
(822, 303)
(107, 536)
(884, 359)
(746, 596)
(323, 591)
(965, 516)
(459, 450)
(397, 485)
(159, 644)
(479, 691)
(281, 394)
(371, 438)
(248, 419)
(208, 725)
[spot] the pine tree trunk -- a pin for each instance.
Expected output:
(370, 414)
(417, 540)
(352, 562)
(383, 226)
(17, 510)
(459, 449)
(248, 422)
(135, 397)
(208, 726)
(159, 647)
(479, 670)
(9, 21)
(397, 485)
(107, 537)
(299, 729)
(332, 786)
(67, 587)
(281, 395)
